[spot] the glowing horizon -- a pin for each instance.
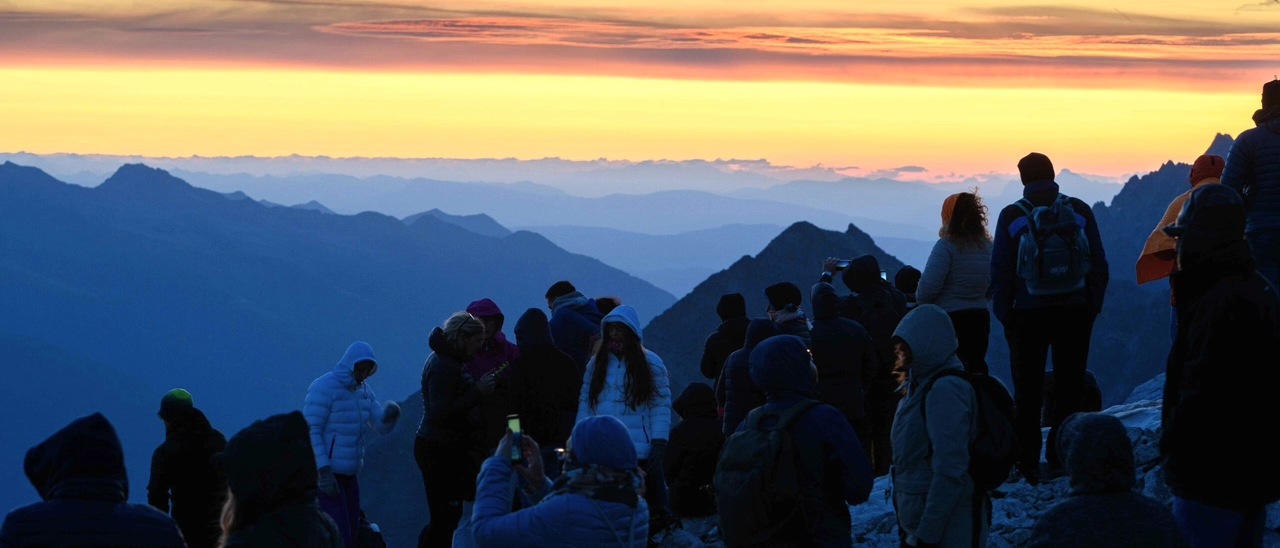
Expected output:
(963, 86)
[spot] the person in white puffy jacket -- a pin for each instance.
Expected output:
(343, 412)
(627, 381)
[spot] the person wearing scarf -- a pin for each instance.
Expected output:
(595, 503)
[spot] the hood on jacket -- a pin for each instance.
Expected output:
(270, 465)
(781, 366)
(697, 400)
(188, 423)
(863, 274)
(439, 343)
(624, 315)
(825, 302)
(604, 441)
(1097, 454)
(356, 353)
(84, 456)
(485, 308)
(574, 299)
(932, 338)
(533, 329)
(732, 305)
(758, 331)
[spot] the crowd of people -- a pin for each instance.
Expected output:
(800, 416)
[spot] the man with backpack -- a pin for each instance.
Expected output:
(1219, 405)
(794, 461)
(878, 307)
(1048, 278)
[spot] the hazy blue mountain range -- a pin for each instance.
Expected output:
(591, 178)
(481, 224)
(795, 255)
(674, 262)
(912, 203)
(145, 283)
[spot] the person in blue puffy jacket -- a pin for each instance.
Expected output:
(627, 381)
(342, 413)
(594, 504)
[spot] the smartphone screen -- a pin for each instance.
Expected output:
(513, 422)
(884, 275)
(843, 264)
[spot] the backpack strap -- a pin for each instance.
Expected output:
(790, 415)
(924, 400)
(1025, 205)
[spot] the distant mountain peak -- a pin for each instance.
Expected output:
(314, 205)
(1221, 145)
(141, 177)
(480, 223)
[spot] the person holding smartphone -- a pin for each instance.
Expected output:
(596, 503)
(627, 381)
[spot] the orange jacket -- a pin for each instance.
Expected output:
(1158, 257)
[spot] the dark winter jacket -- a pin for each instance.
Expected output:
(1008, 291)
(729, 337)
(741, 394)
(833, 470)
(1220, 384)
(544, 383)
(79, 473)
(271, 472)
(844, 354)
(450, 398)
(877, 307)
(575, 325)
(692, 452)
(184, 469)
(1103, 510)
(1253, 170)
(797, 328)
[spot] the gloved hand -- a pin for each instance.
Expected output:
(390, 412)
(657, 453)
(326, 482)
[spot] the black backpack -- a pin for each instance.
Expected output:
(757, 485)
(991, 455)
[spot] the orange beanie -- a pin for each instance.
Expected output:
(949, 207)
(1207, 166)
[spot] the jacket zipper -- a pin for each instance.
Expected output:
(645, 429)
(331, 444)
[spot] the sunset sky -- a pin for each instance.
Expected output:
(966, 86)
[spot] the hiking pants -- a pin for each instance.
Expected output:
(1206, 526)
(1033, 334)
(344, 507)
(449, 477)
(973, 332)
(1265, 245)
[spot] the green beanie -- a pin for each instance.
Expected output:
(174, 400)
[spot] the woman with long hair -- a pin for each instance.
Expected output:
(958, 273)
(627, 381)
(450, 439)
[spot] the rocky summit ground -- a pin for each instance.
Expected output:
(1015, 506)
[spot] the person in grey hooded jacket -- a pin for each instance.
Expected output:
(1103, 510)
(932, 490)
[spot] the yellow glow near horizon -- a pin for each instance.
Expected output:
(280, 112)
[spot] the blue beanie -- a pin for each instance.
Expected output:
(604, 441)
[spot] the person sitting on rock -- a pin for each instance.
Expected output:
(1103, 510)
